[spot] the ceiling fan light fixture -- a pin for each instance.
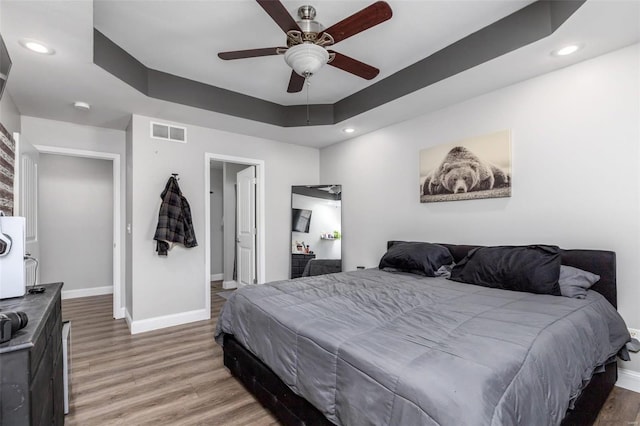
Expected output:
(306, 58)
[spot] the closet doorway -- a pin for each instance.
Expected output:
(234, 243)
(79, 202)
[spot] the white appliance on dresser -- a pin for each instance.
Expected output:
(12, 251)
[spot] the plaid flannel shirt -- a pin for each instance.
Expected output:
(174, 220)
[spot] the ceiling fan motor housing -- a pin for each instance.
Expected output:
(307, 23)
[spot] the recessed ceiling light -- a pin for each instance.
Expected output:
(37, 46)
(566, 50)
(82, 105)
(349, 130)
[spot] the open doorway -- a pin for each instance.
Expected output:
(76, 227)
(225, 229)
(112, 162)
(221, 192)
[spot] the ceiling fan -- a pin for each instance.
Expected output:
(307, 41)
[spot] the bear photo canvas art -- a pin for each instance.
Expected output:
(474, 168)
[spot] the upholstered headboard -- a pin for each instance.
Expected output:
(599, 262)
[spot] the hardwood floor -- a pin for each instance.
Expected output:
(175, 376)
(621, 408)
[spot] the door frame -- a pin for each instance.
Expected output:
(260, 216)
(118, 303)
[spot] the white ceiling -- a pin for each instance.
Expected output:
(183, 38)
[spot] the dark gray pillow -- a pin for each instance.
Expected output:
(534, 269)
(575, 282)
(416, 257)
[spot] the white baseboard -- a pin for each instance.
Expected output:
(120, 313)
(628, 379)
(149, 324)
(86, 292)
(228, 285)
(127, 318)
(217, 277)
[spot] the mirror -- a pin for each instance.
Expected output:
(316, 230)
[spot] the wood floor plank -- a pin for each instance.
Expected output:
(173, 376)
(176, 376)
(621, 408)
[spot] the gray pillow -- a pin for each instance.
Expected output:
(575, 282)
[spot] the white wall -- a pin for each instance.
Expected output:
(325, 217)
(9, 114)
(175, 284)
(76, 221)
(575, 137)
(217, 253)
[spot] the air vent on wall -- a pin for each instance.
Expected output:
(168, 132)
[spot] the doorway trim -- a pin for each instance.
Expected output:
(118, 303)
(260, 216)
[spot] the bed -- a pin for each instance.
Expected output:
(297, 347)
(322, 266)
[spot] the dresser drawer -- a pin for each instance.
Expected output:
(31, 385)
(40, 389)
(52, 325)
(47, 391)
(298, 263)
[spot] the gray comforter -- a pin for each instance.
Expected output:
(379, 348)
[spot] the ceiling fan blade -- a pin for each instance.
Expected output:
(354, 66)
(279, 14)
(368, 17)
(296, 83)
(250, 53)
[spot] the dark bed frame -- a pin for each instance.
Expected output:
(291, 409)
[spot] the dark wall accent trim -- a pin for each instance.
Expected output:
(117, 61)
(319, 114)
(529, 24)
(183, 91)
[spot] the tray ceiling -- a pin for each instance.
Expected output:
(183, 38)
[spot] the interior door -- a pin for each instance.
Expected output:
(246, 226)
(26, 200)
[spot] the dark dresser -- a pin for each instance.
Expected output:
(31, 385)
(298, 262)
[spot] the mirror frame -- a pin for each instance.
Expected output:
(313, 191)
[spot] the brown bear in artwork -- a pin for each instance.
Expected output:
(462, 171)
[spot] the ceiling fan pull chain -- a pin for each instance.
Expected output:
(308, 83)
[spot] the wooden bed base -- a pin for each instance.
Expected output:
(291, 409)
(267, 387)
